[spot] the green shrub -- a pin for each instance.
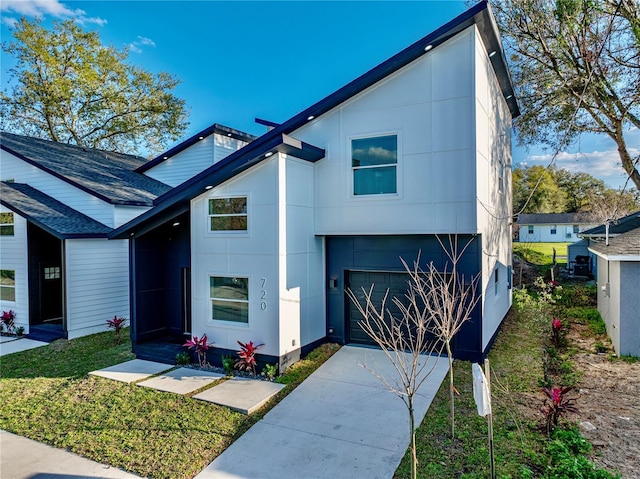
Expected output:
(567, 451)
(182, 359)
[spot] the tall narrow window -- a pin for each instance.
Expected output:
(530, 229)
(6, 224)
(495, 281)
(576, 229)
(7, 285)
(374, 162)
(228, 214)
(229, 298)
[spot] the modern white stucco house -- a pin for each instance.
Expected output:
(618, 292)
(261, 245)
(60, 274)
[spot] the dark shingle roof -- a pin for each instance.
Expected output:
(626, 244)
(104, 174)
(617, 227)
(48, 213)
(553, 218)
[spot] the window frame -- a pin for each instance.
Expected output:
(554, 229)
(210, 216)
(7, 226)
(228, 300)
(396, 165)
(496, 281)
(576, 229)
(530, 229)
(4, 287)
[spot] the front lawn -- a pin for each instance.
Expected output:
(47, 396)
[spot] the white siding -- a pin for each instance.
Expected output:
(253, 254)
(429, 105)
(13, 256)
(542, 233)
(22, 172)
(194, 159)
(493, 162)
(124, 214)
(97, 284)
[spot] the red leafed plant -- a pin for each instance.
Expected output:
(117, 324)
(247, 357)
(201, 346)
(8, 320)
(557, 405)
(557, 332)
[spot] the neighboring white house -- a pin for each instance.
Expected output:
(262, 245)
(552, 227)
(618, 291)
(58, 202)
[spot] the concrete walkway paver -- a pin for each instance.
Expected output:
(341, 422)
(13, 345)
(240, 394)
(22, 458)
(131, 371)
(182, 380)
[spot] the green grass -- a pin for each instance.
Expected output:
(47, 396)
(541, 254)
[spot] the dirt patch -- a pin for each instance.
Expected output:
(609, 405)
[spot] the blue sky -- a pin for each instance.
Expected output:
(240, 60)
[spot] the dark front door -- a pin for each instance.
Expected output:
(50, 292)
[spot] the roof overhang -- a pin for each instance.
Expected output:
(616, 257)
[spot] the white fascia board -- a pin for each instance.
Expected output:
(619, 257)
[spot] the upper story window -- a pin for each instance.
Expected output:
(7, 285)
(229, 298)
(374, 162)
(530, 229)
(228, 214)
(6, 224)
(554, 229)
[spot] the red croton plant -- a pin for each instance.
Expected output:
(557, 405)
(201, 346)
(247, 357)
(117, 324)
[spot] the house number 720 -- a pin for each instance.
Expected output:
(263, 294)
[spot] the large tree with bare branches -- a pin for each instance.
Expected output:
(67, 86)
(576, 69)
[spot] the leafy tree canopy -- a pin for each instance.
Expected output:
(68, 87)
(576, 68)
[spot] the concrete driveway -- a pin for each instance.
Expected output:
(339, 423)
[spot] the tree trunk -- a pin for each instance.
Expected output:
(627, 162)
(414, 456)
(451, 391)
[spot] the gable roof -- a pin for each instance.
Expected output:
(107, 175)
(215, 128)
(617, 227)
(256, 151)
(624, 247)
(553, 218)
(51, 215)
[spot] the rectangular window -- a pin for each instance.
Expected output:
(6, 224)
(374, 162)
(530, 230)
(495, 281)
(554, 229)
(52, 272)
(229, 298)
(228, 214)
(7, 285)
(576, 229)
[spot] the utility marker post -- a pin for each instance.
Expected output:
(482, 397)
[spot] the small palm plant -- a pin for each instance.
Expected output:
(247, 357)
(117, 324)
(557, 405)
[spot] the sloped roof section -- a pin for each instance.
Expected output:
(48, 213)
(553, 218)
(617, 227)
(624, 247)
(107, 175)
(256, 151)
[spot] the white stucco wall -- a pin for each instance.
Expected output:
(428, 105)
(13, 256)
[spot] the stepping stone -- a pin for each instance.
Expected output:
(182, 380)
(243, 395)
(132, 371)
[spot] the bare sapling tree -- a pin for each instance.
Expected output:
(405, 338)
(450, 299)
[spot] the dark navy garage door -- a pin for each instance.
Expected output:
(395, 282)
